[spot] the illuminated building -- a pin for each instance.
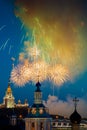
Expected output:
(9, 100)
(12, 114)
(38, 117)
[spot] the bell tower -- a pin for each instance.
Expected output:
(38, 117)
(38, 94)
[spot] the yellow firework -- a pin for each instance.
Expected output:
(39, 70)
(59, 74)
(34, 52)
(21, 74)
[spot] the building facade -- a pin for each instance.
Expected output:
(38, 117)
(9, 100)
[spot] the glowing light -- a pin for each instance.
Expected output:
(25, 72)
(1, 46)
(22, 26)
(53, 50)
(6, 43)
(22, 39)
(59, 41)
(59, 74)
(12, 58)
(21, 74)
(34, 52)
(40, 70)
(10, 49)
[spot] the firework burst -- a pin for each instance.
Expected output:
(39, 70)
(34, 52)
(59, 74)
(21, 74)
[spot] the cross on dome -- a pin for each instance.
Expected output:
(75, 100)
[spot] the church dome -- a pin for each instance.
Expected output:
(75, 117)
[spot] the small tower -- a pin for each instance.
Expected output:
(75, 118)
(38, 117)
(8, 99)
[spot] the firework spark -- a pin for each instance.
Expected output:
(1, 46)
(22, 39)
(22, 26)
(34, 53)
(39, 70)
(2, 27)
(59, 74)
(23, 73)
(20, 74)
(10, 49)
(58, 36)
(26, 72)
(6, 43)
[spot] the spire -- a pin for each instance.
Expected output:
(9, 88)
(38, 85)
(75, 100)
(38, 94)
(8, 99)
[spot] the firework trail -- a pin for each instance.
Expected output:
(22, 26)
(22, 39)
(29, 70)
(13, 59)
(10, 49)
(1, 46)
(1, 28)
(58, 36)
(54, 50)
(6, 43)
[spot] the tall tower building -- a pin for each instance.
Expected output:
(8, 99)
(75, 117)
(38, 117)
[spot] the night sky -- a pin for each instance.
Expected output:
(45, 40)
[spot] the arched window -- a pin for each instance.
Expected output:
(32, 126)
(48, 125)
(41, 126)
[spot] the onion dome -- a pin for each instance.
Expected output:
(75, 118)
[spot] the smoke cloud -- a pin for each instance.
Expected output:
(65, 108)
(58, 31)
